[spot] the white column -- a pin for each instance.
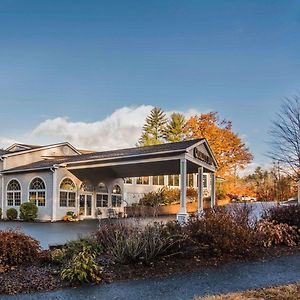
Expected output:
(200, 189)
(54, 195)
(2, 195)
(182, 215)
(213, 189)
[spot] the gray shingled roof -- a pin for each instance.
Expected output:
(168, 147)
(2, 152)
(114, 154)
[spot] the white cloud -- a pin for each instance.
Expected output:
(252, 166)
(119, 130)
(6, 142)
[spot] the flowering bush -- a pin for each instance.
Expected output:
(17, 248)
(277, 234)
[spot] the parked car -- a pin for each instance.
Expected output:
(290, 201)
(247, 199)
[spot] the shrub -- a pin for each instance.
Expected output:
(171, 195)
(154, 198)
(17, 248)
(11, 214)
(277, 234)
(130, 244)
(28, 211)
(75, 247)
(218, 232)
(284, 214)
(82, 268)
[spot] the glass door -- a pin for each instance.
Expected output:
(82, 205)
(88, 205)
(85, 205)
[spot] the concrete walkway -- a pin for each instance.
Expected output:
(214, 280)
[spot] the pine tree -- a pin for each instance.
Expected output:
(154, 128)
(175, 129)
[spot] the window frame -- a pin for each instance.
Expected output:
(173, 180)
(159, 183)
(142, 180)
(68, 192)
(14, 193)
(36, 192)
(116, 197)
(101, 194)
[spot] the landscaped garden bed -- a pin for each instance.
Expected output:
(122, 252)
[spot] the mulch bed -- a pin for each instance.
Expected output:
(182, 264)
(36, 277)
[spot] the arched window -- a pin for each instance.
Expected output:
(13, 196)
(116, 196)
(67, 193)
(86, 186)
(37, 192)
(101, 195)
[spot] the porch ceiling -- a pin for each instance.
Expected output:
(166, 167)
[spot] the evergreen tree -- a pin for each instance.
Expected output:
(154, 128)
(175, 129)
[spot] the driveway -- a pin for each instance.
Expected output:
(59, 233)
(213, 280)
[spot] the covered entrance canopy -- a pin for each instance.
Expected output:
(194, 156)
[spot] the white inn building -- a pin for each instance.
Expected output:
(59, 178)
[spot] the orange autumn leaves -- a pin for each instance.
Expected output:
(230, 152)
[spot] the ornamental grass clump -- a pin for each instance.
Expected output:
(17, 248)
(132, 244)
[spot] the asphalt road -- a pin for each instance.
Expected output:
(213, 280)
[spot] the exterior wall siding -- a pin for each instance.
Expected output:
(108, 181)
(34, 156)
(44, 212)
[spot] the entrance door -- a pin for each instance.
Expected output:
(85, 205)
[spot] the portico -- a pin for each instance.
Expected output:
(168, 159)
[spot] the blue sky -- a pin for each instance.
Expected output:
(85, 65)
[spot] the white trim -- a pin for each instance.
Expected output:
(67, 177)
(205, 142)
(42, 148)
(182, 151)
(27, 170)
(75, 191)
(182, 215)
(124, 162)
(200, 163)
(6, 191)
(200, 189)
(213, 189)
(30, 190)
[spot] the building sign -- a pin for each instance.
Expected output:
(203, 157)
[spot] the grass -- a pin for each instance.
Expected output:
(284, 292)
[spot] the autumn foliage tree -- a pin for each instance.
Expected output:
(231, 153)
